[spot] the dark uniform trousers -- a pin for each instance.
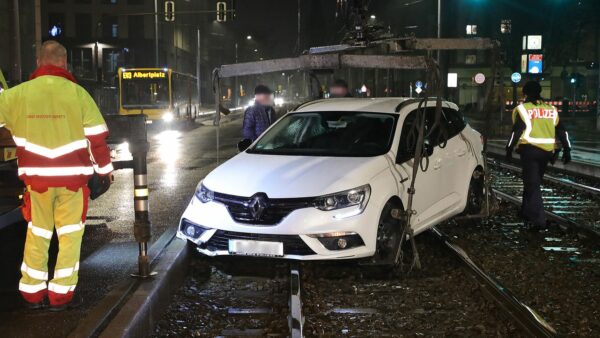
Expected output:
(534, 162)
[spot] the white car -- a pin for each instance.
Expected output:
(322, 181)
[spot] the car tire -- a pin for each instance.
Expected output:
(475, 194)
(389, 231)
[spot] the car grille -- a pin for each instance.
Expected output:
(275, 210)
(292, 244)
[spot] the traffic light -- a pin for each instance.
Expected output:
(221, 11)
(169, 11)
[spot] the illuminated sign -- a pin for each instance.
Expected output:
(130, 75)
(452, 80)
(479, 78)
(534, 66)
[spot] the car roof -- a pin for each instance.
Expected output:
(376, 105)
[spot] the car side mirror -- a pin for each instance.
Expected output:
(244, 144)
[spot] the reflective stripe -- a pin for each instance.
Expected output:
(2, 125)
(66, 272)
(95, 130)
(28, 288)
(62, 289)
(20, 142)
(140, 192)
(33, 273)
(104, 170)
(39, 231)
(67, 229)
(568, 141)
(56, 171)
(512, 135)
(555, 117)
(50, 153)
(528, 127)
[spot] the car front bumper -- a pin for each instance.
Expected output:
(306, 234)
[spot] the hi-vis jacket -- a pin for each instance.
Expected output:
(537, 124)
(58, 129)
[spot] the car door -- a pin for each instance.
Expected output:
(427, 193)
(457, 160)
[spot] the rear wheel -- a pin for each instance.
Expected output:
(389, 231)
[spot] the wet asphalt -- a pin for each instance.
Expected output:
(180, 156)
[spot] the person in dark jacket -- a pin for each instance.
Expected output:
(339, 88)
(258, 117)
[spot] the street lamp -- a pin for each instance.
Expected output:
(249, 37)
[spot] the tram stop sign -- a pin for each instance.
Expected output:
(515, 77)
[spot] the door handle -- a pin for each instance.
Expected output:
(437, 164)
(460, 152)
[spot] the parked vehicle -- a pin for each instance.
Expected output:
(322, 181)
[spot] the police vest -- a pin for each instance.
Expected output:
(540, 124)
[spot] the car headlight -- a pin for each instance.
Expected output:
(203, 194)
(168, 117)
(344, 199)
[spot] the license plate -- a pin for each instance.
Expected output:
(255, 248)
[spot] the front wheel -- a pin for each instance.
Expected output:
(475, 195)
(389, 231)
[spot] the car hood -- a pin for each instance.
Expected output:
(292, 176)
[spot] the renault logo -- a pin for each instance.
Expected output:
(258, 206)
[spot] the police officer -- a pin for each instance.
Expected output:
(536, 126)
(60, 137)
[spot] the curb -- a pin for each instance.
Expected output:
(141, 312)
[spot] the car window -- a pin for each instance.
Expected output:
(454, 121)
(409, 134)
(329, 133)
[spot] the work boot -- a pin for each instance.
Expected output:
(74, 303)
(532, 227)
(34, 306)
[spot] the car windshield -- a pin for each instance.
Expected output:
(329, 133)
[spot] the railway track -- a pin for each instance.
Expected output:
(240, 296)
(571, 204)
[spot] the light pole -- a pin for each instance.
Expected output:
(156, 33)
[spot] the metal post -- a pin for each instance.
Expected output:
(17, 46)
(38, 27)
(236, 97)
(198, 81)
(439, 26)
(217, 121)
(155, 33)
(142, 228)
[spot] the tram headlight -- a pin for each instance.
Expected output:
(168, 117)
(279, 101)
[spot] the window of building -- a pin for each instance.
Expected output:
(136, 26)
(506, 26)
(110, 26)
(81, 62)
(83, 25)
(471, 29)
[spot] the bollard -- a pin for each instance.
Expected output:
(142, 228)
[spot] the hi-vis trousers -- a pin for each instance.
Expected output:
(62, 209)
